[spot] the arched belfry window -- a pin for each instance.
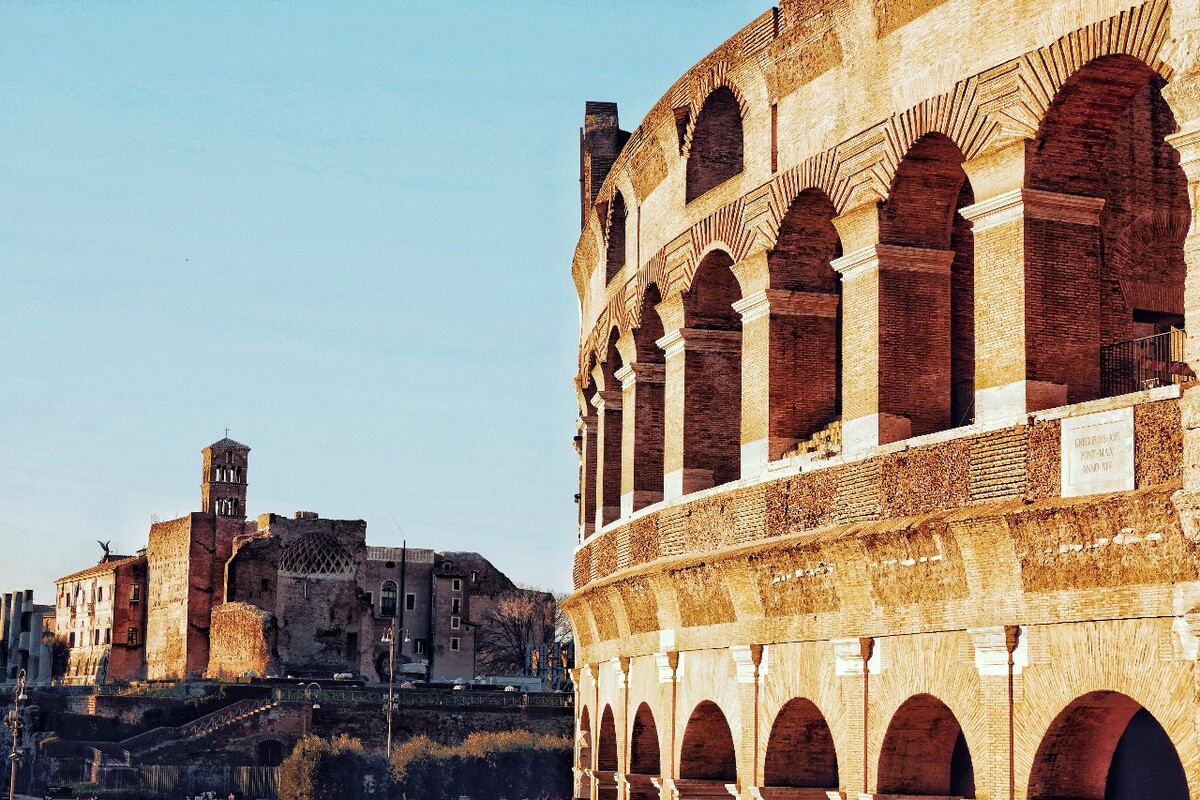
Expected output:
(387, 599)
(717, 146)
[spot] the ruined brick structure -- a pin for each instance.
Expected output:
(888, 435)
(24, 643)
(217, 595)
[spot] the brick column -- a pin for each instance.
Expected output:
(642, 440)
(851, 657)
(750, 741)
(607, 403)
(895, 343)
(1037, 321)
(588, 429)
(789, 367)
(993, 758)
(699, 376)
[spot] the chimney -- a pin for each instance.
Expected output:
(600, 141)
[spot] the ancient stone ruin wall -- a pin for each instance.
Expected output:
(244, 641)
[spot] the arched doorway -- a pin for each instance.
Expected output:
(712, 396)
(800, 750)
(1106, 746)
(1104, 230)
(583, 756)
(644, 400)
(925, 753)
(707, 759)
(804, 370)
(606, 757)
(644, 756)
(926, 290)
(717, 143)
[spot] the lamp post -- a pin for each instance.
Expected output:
(14, 722)
(312, 694)
(389, 638)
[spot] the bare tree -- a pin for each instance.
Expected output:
(510, 627)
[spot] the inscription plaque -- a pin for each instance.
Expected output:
(1097, 453)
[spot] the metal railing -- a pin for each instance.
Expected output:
(1145, 363)
(427, 698)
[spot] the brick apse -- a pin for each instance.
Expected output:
(889, 442)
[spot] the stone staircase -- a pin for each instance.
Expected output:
(157, 738)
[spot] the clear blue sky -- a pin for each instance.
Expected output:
(342, 229)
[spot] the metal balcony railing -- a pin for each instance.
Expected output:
(1144, 363)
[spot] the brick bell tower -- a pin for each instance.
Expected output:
(223, 482)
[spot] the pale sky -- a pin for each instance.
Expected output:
(342, 229)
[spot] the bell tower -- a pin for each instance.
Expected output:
(223, 482)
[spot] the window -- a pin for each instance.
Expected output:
(108, 635)
(454, 623)
(419, 646)
(100, 595)
(351, 644)
(456, 605)
(135, 594)
(474, 576)
(131, 637)
(96, 636)
(410, 602)
(387, 599)
(456, 584)
(454, 643)
(71, 639)
(266, 584)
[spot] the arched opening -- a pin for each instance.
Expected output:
(606, 757)
(925, 753)
(1104, 253)
(717, 146)
(712, 412)
(707, 759)
(614, 254)
(270, 753)
(1105, 746)
(927, 281)
(805, 324)
(583, 756)
(800, 751)
(645, 404)
(644, 756)
(609, 432)
(590, 447)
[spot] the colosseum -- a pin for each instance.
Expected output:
(890, 446)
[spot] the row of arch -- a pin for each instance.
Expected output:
(1103, 746)
(941, 313)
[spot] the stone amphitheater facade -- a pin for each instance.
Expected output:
(890, 454)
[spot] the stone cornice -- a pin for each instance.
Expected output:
(891, 257)
(1034, 204)
(785, 303)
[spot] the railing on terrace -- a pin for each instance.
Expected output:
(1144, 363)
(420, 697)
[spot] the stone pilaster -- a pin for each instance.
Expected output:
(1031, 351)
(895, 343)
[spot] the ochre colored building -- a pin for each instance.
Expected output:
(887, 427)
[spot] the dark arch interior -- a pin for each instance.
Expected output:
(707, 752)
(644, 754)
(717, 146)
(606, 752)
(800, 751)
(1105, 746)
(925, 752)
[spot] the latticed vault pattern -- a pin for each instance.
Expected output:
(317, 554)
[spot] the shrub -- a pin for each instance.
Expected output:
(338, 769)
(487, 766)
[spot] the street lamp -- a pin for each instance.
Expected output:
(389, 638)
(312, 694)
(14, 722)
